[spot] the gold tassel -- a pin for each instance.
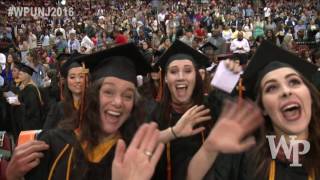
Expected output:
(169, 168)
(240, 88)
(83, 93)
(160, 91)
(69, 164)
(53, 167)
(272, 172)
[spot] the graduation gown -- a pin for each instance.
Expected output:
(181, 150)
(3, 112)
(54, 116)
(214, 101)
(79, 169)
(29, 113)
(238, 167)
(13, 114)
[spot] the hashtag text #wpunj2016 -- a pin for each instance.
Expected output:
(40, 11)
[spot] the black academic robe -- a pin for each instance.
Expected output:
(12, 116)
(3, 112)
(13, 119)
(31, 108)
(54, 116)
(238, 167)
(80, 168)
(214, 101)
(181, 150)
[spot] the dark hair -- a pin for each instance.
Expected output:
(70, 113)
(261, 153)
(206, 82)
(59, 33)
(149, 88)
(91, 118)
(165, 105)
(271, 39)
(8, 66)
(35, 56)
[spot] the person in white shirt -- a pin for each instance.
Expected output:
(32, 40)
(86, 45)
(317, 37)
(73, 43)
(101, 22)
(267, 11)
(188, 37)
(247, 33)
(59, 28)
(240, 48)
(227, 33)
(45, 39)
(161, 19)
(3, 61)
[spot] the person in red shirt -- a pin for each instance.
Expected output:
(120, 38)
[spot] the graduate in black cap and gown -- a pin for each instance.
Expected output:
(214, 96)
(180, 109)
(280, 83)
(10, 111)
(28, 106)
(73, 75)
(111, 112)
(206, 72)
(208, 49)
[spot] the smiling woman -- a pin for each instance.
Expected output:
(280, 85)
(180, 109)
(116, 103)
(30, 101)
(290, 115)
(180, 78)
(73, 76)
(110, 114)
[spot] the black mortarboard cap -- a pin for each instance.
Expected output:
(158, 53)
(207, 46)
(25, 68)
(155, 68)
(269, 57)
(69, 64)
(179, 51)
(63, 57)
(124, 62)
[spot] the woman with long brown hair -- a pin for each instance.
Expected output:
(7, 72)
(280, 84)
(180, 108)
(73, 85)
(111, 113)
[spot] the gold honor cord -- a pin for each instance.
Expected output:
(169, 168)
(168, 153)
(272, 172)
(57, 160)
(69, 165)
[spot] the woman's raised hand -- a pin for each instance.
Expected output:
(138, 161)
(192, 117)
(231, 134)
